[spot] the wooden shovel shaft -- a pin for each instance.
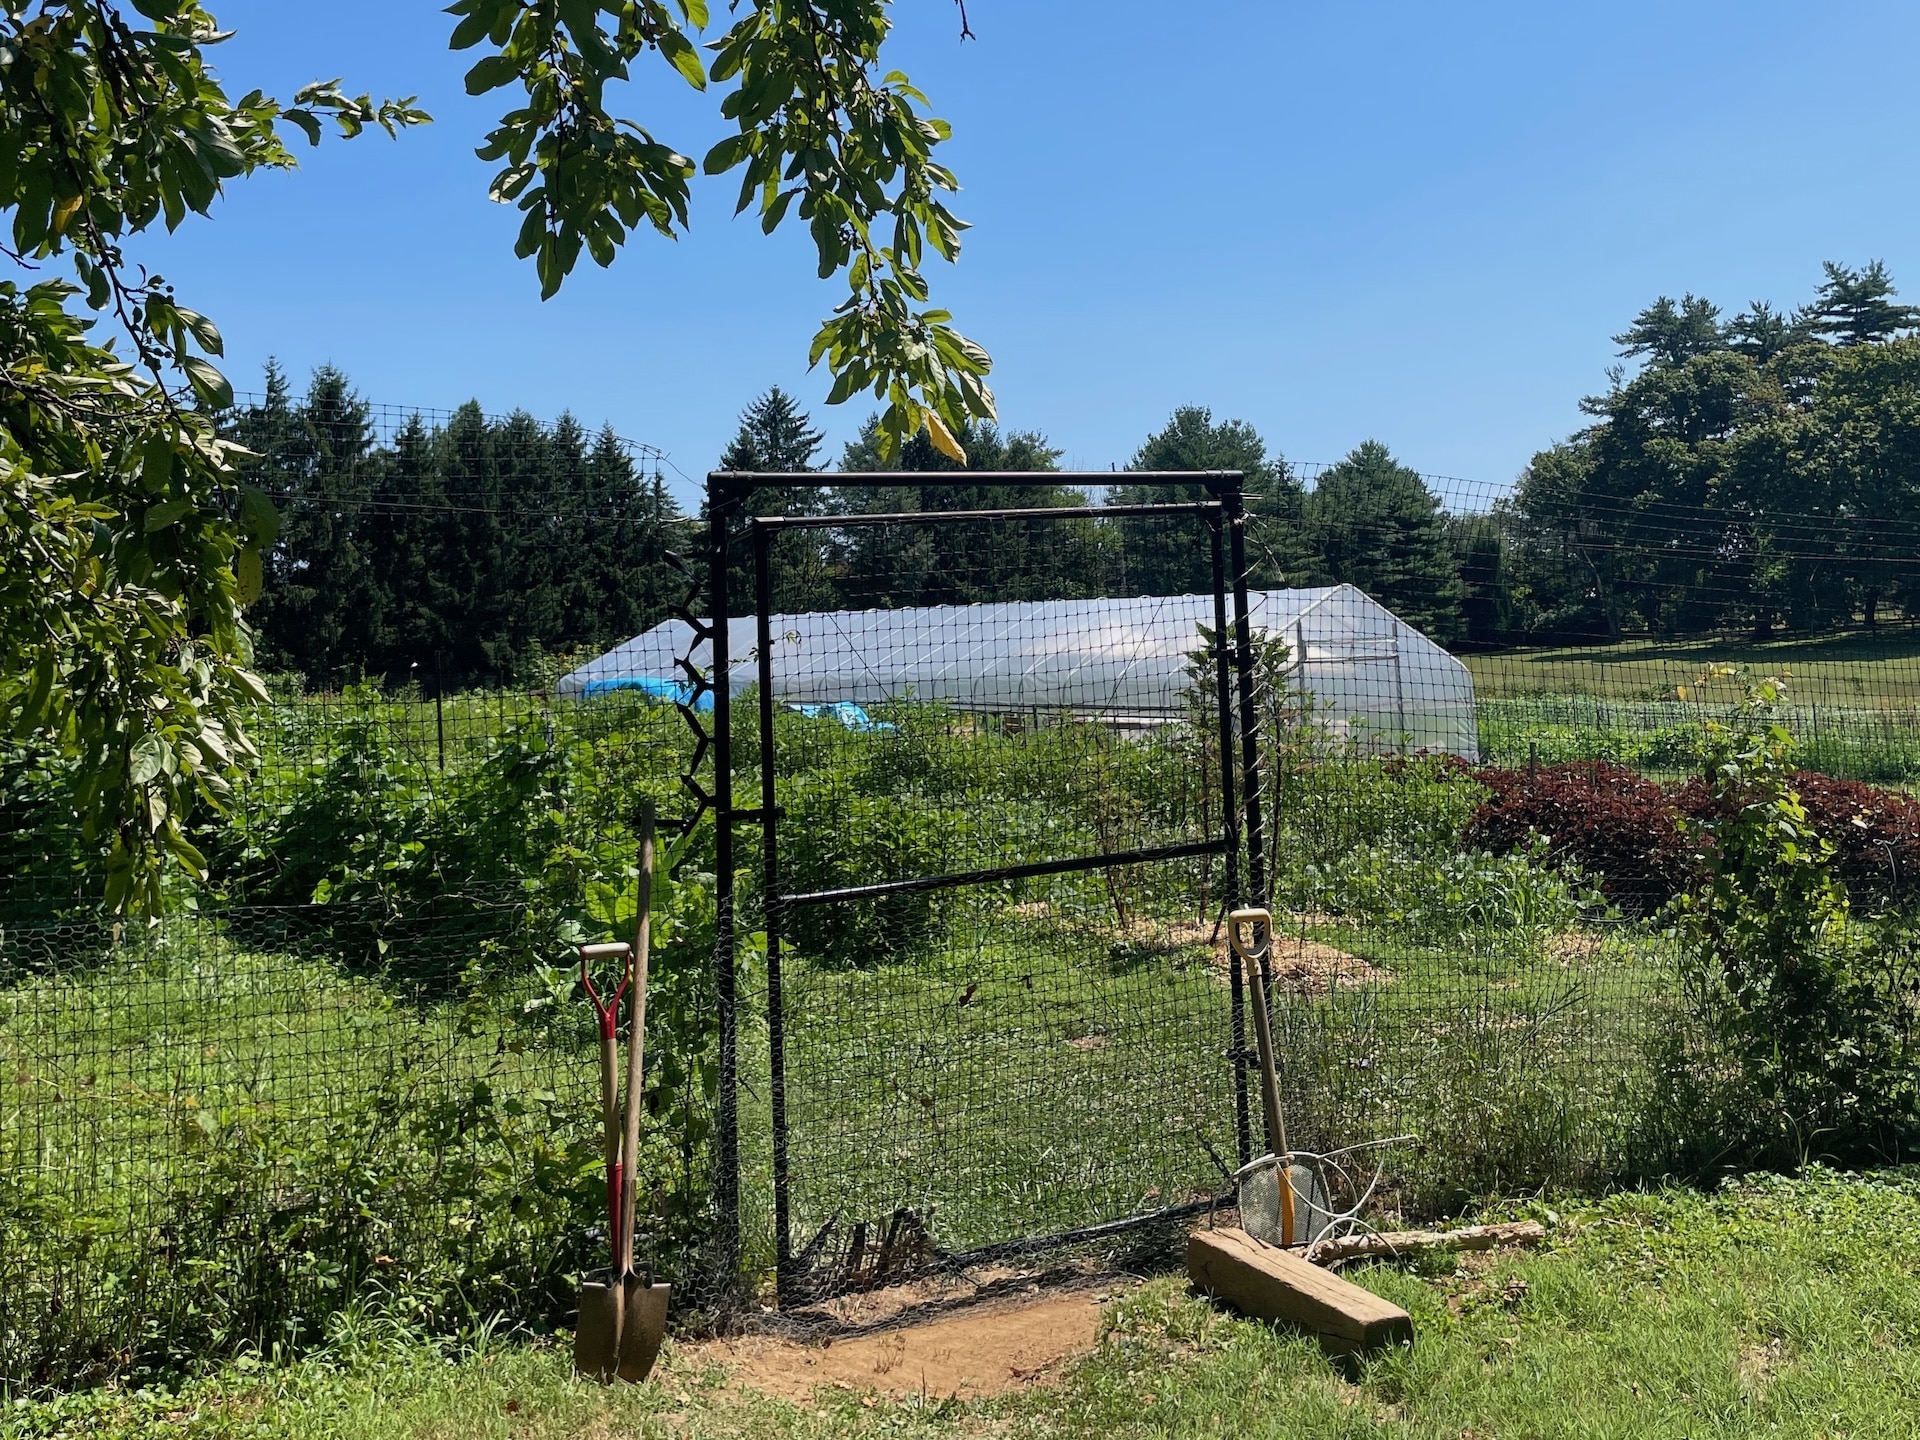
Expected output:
(1254, 957)
(637, 1040)
(610, 1113)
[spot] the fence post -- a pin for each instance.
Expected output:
(1230, 831)
(721, 502)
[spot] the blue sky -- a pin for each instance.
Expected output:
(1410, 222)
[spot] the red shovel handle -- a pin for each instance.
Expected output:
(609, 1009)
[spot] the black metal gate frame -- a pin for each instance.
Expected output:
(1240, 841)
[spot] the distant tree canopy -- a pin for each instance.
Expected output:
(1752, 473)
(1193, 440)
(1757, 472)
(1372, 522)
(467, 549)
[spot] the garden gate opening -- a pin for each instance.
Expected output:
(1001, 803)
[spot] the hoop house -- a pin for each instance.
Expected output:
(1373, 678)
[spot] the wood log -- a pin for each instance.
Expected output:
(1395, 1243)
(1274, 1284)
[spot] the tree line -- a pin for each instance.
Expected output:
(1759, 472)
(479, 549)
(460, 551)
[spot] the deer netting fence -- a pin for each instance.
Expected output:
(949, 979)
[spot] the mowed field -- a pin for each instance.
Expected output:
(1855, 669)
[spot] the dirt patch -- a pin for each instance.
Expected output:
(1570, 946)
(1300, 966)
(984, 1349)
(1758, 1365)
(1307, 966)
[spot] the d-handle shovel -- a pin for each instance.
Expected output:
(644, 1323)
(596, 1338)
(1253, 956)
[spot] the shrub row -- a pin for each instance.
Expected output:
(1622, 829)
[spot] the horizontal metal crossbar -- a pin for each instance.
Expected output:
(953, 479)
(1008, 872)
(1043, 512)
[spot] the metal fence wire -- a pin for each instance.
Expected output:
(990, 869)
(963, 779)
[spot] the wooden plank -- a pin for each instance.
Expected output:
(1274, 1284)
(1394, 1243)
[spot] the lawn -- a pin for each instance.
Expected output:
(1775, 1307)
(1856, 668)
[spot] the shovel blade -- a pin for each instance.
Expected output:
(644, 1329)
(596, 1338)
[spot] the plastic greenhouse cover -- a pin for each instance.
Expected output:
(1373, 677)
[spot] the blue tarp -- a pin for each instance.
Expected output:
(666, 691)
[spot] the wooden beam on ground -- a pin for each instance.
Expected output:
(1274, 1284)
(1393, 1244)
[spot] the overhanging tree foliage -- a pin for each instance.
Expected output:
(131, 543)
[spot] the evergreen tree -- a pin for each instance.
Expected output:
(1375, 525)
(1761, 332)
(777, 437)
(961, 564)
(1856, 307)
(1669, 334)
(319, 465)
(1177, 561)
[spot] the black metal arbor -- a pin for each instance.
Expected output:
(995, 1014)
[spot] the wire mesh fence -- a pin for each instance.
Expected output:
(358, 1073)
(984, 828)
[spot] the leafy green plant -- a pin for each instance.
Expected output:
(835, 837)
(1816, 1011)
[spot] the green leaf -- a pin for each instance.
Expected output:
(149, 757)
(259, 516)
(208, 383)
(684, 58)
(728, 153)
(160, 516)
(490, 74)
(33, 712)
(307, 121)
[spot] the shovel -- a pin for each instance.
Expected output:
(644, 1303)
(596, 1338)
(1252, 1177)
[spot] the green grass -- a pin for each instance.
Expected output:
(1856, 668)
(1777, 1307)
(1031, 1077)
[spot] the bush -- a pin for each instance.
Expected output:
(1324, 812)
(1603, 820)
(834, 837)
(1817, 1009)
(1625, 830)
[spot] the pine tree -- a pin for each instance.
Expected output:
(1170, 562)
(1669, 334)
(1856, 307)
(1376, 526)
(319, 464)
(777, 437)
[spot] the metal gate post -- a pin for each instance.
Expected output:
(723, 499)
(1233, 501)
(1230, 825)
(773, 917)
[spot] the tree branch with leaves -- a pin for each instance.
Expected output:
(821, 132)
